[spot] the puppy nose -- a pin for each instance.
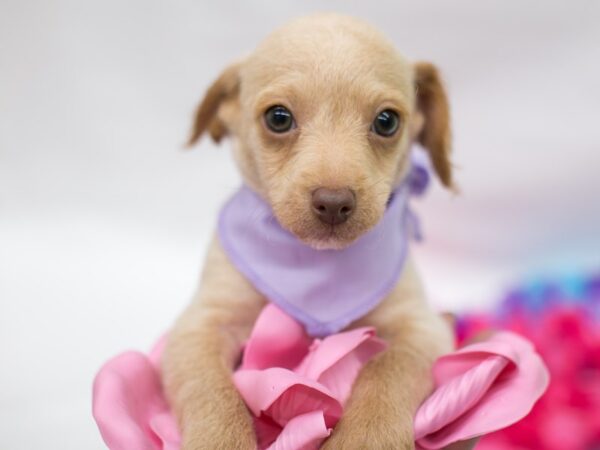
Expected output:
(333, 206)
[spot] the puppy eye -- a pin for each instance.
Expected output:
(386, 123)
(279, 119)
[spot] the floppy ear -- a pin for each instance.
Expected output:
(225, 88)
(434, 132)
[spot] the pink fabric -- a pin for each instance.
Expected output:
(296, 388)
(481, 388)
(129, 406)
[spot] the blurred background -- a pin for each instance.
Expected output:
(104, 219)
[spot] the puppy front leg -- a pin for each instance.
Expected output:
(197, 368)
(381, 409)
(201, 354)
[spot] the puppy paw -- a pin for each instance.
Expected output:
(219, 438)
(357, 433)
(225, 430)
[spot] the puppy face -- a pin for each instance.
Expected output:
(323, 114)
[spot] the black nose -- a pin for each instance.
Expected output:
(333, 206)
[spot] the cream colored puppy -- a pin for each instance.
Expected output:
(325, 101)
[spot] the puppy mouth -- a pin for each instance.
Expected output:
(323, 236)
(329, 239)
(330, 233)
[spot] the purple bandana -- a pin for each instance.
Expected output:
(325, 290)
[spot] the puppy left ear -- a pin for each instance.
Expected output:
(433, 131)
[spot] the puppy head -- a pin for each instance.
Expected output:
(322, 116)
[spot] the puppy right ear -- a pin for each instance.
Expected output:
(225, 88)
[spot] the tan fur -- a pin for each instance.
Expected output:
(433, 105)
(335, 74)
(223, 89)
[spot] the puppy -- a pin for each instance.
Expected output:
(324, 104)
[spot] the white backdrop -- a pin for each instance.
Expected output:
(104, 219)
